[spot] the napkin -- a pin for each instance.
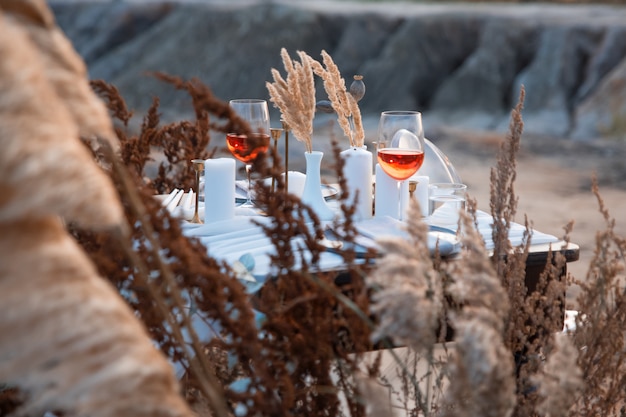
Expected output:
(386, 226)
(173, 202)
(238, 224)
(229, 240)
(260, 248)
(447, 216)
(167, 199)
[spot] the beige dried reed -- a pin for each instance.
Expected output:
(295, 96)
(561, 380)
(407, 301)
(407, 295)
(68, 341)
(375, 397)
(344, 104)
(474, 280)
(482, 371)
(38, 136)
(63, 68)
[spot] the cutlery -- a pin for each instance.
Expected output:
(170, 196)
(172, 204)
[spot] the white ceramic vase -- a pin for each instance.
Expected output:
(312, 193)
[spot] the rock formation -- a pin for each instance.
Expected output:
(460, 64)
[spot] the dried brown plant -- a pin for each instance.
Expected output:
(600, 324)
(174, 144)
(503, 201)
(510, 263)
(475, 283)
(298, 302)
(290, 353)
(343, 103)
(78, 191)
(295, 95)
(482, 370)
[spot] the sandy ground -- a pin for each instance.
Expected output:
(553, 180)
(552, 188)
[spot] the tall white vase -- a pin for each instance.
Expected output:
(312, 193)
(357, 171)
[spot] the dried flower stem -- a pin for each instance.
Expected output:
(344, 104)
(203, 370)
(503, 200)
(482, 380)
(295, 96)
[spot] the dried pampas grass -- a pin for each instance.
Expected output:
(295, 96)
(44, 168)
(561, 381)
(62, 67)
(482, 371)
(342, 102)
(408, 290)
(69, 342)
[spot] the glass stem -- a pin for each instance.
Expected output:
(249, 200)
(400, 216)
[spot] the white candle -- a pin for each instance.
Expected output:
(405, 197)
(387, 196)
(219, 189)
(357, 171)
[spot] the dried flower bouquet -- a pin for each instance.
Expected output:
(295, 97)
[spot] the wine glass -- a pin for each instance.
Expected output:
(244, 147)
(400, 146)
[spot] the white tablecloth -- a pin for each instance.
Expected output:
(230, 240)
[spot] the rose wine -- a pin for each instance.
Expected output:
(247, 148)
(399, 163)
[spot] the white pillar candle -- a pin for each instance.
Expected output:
(219, 189)
(405, 197)
(386, 196)
(357, 171)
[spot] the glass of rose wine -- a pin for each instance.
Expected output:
(246, 148)
(400, 146)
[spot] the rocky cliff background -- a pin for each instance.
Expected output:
(461, 64)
